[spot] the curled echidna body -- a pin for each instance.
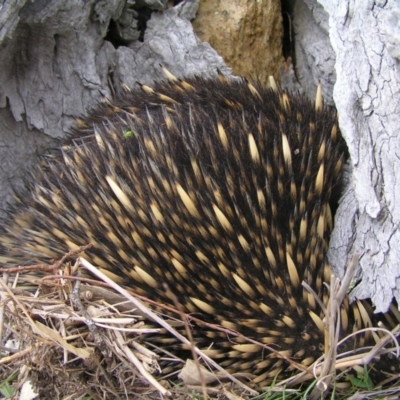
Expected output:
(218, 188)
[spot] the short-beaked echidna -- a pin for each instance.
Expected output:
(219, 188)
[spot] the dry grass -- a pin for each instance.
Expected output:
(75, 339)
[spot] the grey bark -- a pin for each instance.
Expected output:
(357, 43)
(365, 36)
(314, 55)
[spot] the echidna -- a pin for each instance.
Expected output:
(219, 188)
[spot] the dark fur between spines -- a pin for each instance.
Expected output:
(218, 187)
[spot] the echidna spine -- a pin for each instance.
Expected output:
(218, 187)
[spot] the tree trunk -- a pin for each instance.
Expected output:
(365, 37)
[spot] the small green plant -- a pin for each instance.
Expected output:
(6, 389)
(362, 380)
(279, 393)
(128, 134)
